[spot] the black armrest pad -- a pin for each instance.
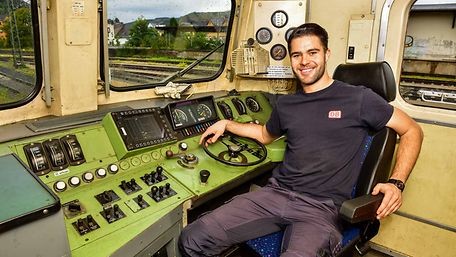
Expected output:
(361, 208)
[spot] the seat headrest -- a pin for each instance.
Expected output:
(377, 76)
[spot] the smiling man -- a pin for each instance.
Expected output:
(326, 122)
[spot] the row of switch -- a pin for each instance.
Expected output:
(154, 176)
(87, 177)
(85, 225)
(112, 213)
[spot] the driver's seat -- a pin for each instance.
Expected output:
(359, 213)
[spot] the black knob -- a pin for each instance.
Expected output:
(108, 213)
(153, 176)
(167, 188)
(204, 176)
(154, 190)
(133, 182)
(129, 186)
(82, 227)
(90, 220)
(123, 184)
(116, 211)
(107, 196)
(159, 174)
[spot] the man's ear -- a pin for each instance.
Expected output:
(327, 54)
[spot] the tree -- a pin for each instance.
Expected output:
(20, 24)
(200, 41)
(141, 35)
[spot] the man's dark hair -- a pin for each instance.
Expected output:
(309, 29)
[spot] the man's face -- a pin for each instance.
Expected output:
(308, 59)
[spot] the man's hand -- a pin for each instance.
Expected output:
(216, 130)
(392, 199)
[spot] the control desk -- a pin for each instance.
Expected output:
(124, 183)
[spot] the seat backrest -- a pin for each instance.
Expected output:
(379, 77)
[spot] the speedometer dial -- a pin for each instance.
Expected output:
(179, 117)
(204, 112)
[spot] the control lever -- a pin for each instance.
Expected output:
(185, 160)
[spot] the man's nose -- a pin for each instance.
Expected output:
(304, 60)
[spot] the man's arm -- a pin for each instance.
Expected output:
(411, 137)
(255, 131)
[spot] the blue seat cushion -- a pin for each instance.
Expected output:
(270, 245)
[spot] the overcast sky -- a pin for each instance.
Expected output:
(130, 10)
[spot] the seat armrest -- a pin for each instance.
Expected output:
(361, 208)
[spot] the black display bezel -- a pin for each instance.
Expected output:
(209, 100)
(130, 140)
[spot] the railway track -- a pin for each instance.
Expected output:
(439, 92)
(124, 72)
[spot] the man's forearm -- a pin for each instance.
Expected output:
(244, 129)
(407, 153)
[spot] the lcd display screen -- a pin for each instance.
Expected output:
(142, 128)
(192, 112)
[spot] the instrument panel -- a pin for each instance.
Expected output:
(192, 112)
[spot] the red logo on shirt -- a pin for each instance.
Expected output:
(334, 114)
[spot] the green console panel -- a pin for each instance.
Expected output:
(92, 192)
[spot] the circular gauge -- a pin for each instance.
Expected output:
(179, 117)
(252, 104)
(263, 35)
(408, 41)
(288, 33)
(278, 52)
(279, 19)
(203, 111)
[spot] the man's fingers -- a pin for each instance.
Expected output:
(391, 200)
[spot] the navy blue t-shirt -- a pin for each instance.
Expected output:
(325, 133)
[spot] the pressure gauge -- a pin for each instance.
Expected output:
(278, 52)
(279, 19)
(263, 35)
(288, 33)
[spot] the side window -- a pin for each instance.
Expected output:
(20, 65)
(429, 64)
(152, 43)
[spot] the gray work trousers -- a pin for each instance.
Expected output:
(311, 226)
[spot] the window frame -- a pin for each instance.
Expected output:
(38, 65)
(105, 58)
